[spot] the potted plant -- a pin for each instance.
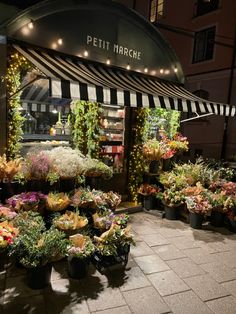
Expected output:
(104, 221)
(198, 206)
(36, 251)
(219, 208)
(57, 201)
(33, 201)
(152, 152)
(173, 201)
(7, 235)
(112, 248)
(6, 213)
(149, 193)
(79, 252)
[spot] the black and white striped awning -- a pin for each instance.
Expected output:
(71, 78)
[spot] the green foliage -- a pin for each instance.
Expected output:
(25, 221)
(33, 248)
(86, 127)
(137, 164)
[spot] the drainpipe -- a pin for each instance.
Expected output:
(226, 122)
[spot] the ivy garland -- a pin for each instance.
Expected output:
(86, 127)
(136, 165)
(17, 64)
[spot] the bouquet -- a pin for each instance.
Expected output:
(8, 169)
(104, 222)
(70, 221)
(34, 201)
(113, 199)
(57, 201)
(83, 198)
(7, 234)
(199, 204)
(80, 246)
(152, 150)
(172, 197)
(148, 189)
(6, 213)
(96, 168)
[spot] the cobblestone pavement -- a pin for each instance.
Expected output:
(172, 269)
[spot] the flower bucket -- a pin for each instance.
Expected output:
(217, 219)
(3, 259)
(233, 225)
(154, 166)
(39, 277)
(172, 212)
(149, 202)
(77, 267)
(108, 263)
(196, 220)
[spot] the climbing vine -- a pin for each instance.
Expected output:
(16, 68)
(86, 127)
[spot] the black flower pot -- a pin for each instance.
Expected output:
(77, 267)
(39, 277)
(154, 166)
(172, 212)
(3, 259)
(217, 219)
(196, 220)
(149, 202)
(232, 226)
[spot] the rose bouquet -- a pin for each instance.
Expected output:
(34, 201)
(6, 213)
(57, 201)
(7, 234)
(70, 221)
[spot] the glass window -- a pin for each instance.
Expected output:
(204, 45)
(156, 9)
(206, 6)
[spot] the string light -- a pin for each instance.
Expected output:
(60, 41)
(146, 70)
(86, 53)
(108, 61)
(175, 70)
(167, 71)
(161, 71)
(30, 25)
(128, 67)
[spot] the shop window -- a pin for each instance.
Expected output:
(204, 45)
(156, 10)
(206, 6)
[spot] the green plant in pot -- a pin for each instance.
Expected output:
(172, 199)
(218, 201)
(36, 250)
(79, 252)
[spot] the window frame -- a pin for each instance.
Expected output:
(209, 47)
(156, 10)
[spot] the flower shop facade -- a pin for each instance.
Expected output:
(102, 53)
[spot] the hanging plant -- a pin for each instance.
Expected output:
(136, 165)
(86, 127)
(17, 65)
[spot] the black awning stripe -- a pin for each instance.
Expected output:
(76, 79)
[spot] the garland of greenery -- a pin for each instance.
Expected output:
(86, 127)
(136, 164)
(16, 65)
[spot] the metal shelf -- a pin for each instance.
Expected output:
(45, 137)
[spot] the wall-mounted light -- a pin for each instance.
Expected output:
(161, 71)
(108, 61)
(128, 67)
(146, 70)
(60, 41)
(30, 25)
(85, 53)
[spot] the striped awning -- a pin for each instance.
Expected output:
(72, 78)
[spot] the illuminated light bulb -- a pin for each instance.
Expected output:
(30, 25)
(25, 30)
(128, 67)
(153, 72)
(60, 41)
(108, 61)
(85, 53)
(167, 71)
(175, 70)
(54, 110)
(54, 46)
(161, 71)
(146, 70)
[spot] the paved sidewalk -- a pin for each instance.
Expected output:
(172, 269)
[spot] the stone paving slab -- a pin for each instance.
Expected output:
(187, 303)
(167, 283)
(219, 271)
(116, 310)
(199, 255)
(185, 267)
(145, 300)
(154, 239)
(24, 305)
(168, 252)
(230, 286)
(151, 264)
(140, 249)
(206, 287)
(225, 305)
